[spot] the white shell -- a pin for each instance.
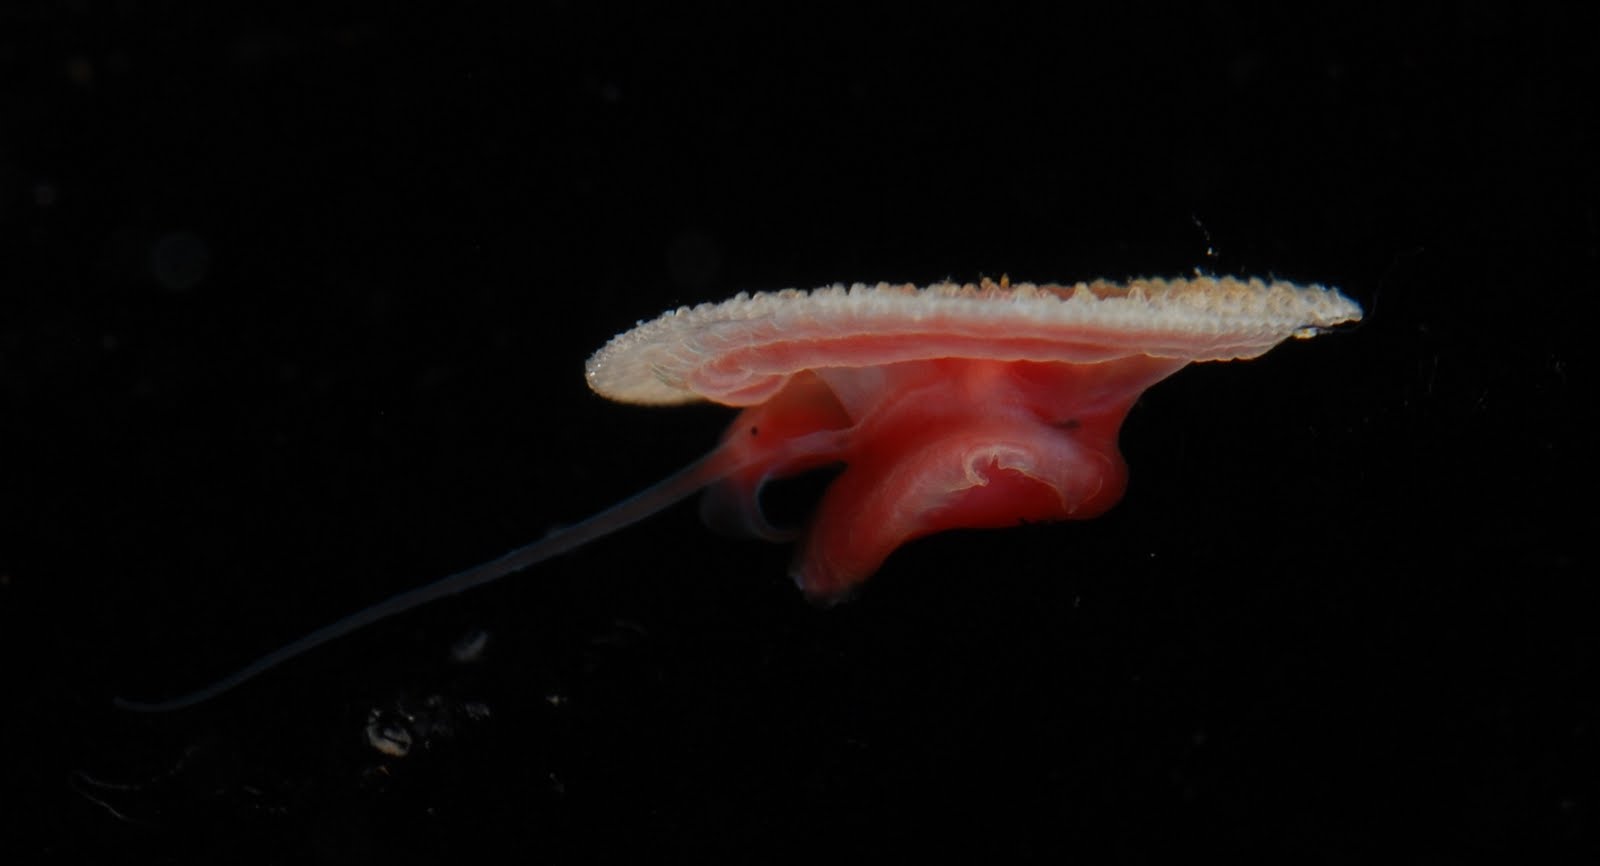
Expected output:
(741, 351)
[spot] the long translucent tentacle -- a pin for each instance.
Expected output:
(664, 493)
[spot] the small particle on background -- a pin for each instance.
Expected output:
(388, 735)
(469, 648)
(179, 261)
(80, 71)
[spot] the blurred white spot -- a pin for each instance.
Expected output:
(470, 647)
(179, 261)
(80, 70)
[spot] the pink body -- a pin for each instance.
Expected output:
(934, 445)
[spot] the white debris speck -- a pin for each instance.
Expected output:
(388, 735)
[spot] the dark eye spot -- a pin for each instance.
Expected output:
(754, 430)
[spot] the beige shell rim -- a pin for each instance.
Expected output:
(740, 350)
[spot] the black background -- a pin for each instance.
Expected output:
(293, 315)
